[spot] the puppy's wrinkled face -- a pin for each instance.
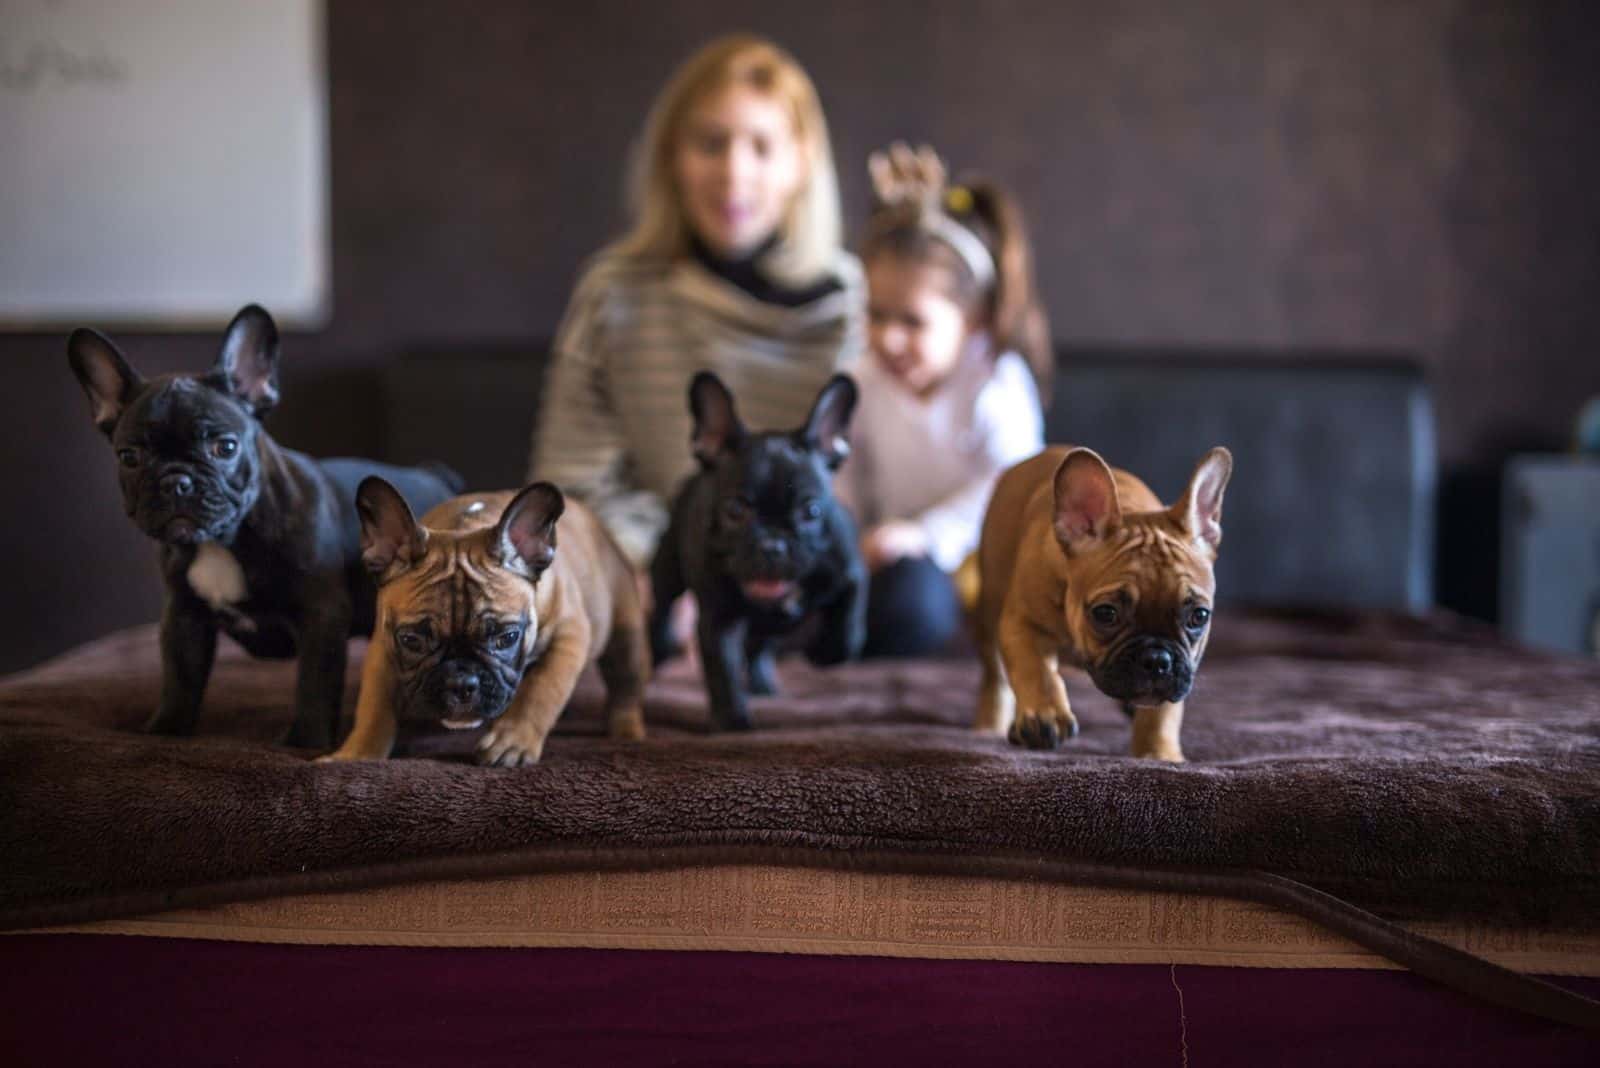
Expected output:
(770, 529)
(462, 630)
(1139, 600)
(458, 607)
(187, 446)
(774, 504)
(187, 462)
(1140, 611)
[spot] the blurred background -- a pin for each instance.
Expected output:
(1295, 179)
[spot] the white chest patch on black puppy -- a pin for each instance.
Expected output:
(216, 576)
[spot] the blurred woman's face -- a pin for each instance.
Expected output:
(739, 166)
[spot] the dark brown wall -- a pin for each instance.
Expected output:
(1365, 173)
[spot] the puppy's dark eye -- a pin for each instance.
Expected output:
(1198, 617)
(411, 641)
(1105, 615)
(225, 448)
(811, 510)
(507, 639)
(736, 512)
(128, 457)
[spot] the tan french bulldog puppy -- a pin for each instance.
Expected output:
(1082, 562)
(484, 623)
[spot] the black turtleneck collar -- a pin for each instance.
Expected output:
(744, 273)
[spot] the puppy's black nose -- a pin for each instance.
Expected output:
(462, 688)
(177, 485)
(1156, 661)
(773, 549)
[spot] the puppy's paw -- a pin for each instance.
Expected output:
(509, 745)
(359, 747)
(1170, 754)
(834, 646)
(763, 677)
(733, 721)
(626, 724)
(996, 711)
(160, 723)
(1043, 728)
(301, 736)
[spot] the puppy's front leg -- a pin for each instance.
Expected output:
(996, 703)
(319, 687)
(518, 737)
(722, 660)
(761, 660)
(1155, 732)
(372, 737)
(625, 667)
(1044, 718)
(188, 649)
(844, 625)
(666, 586)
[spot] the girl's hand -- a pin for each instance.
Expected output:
(685, 618)
(891, 541)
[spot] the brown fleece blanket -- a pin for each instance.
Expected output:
(1418, 769)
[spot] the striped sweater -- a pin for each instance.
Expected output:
(614, 424)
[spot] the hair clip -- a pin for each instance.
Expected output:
(958, 198)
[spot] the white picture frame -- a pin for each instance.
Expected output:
(162, 162)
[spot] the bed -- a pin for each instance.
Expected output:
(1388, 815)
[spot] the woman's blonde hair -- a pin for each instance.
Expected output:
(810, 236)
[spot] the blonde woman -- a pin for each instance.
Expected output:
(734, 264)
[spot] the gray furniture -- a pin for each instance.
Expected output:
(1334, 483)
(1550, 553)
(1332, 501)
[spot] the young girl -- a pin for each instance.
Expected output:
(734, 264)
(948, 400)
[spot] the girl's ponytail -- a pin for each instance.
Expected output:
(1017, 318)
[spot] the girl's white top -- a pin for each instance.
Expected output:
(935, 460)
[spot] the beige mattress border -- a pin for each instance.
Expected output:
(773, 909)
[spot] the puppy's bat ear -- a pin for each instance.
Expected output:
(391, 540)
(827, 428)
(247, 366)
(1086, 504)
(525, 537)
(716, 425)
(107, 380)
(1199, 510)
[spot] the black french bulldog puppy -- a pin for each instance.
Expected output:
(758, 538)
(257, 540)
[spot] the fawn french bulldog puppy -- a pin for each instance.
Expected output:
(256, 540)
(484, 622)
(1083, 562)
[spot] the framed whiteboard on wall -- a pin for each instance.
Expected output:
(162, 162)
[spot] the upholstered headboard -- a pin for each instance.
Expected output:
(1332, 499)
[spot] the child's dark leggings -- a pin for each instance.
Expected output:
(912, 609)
